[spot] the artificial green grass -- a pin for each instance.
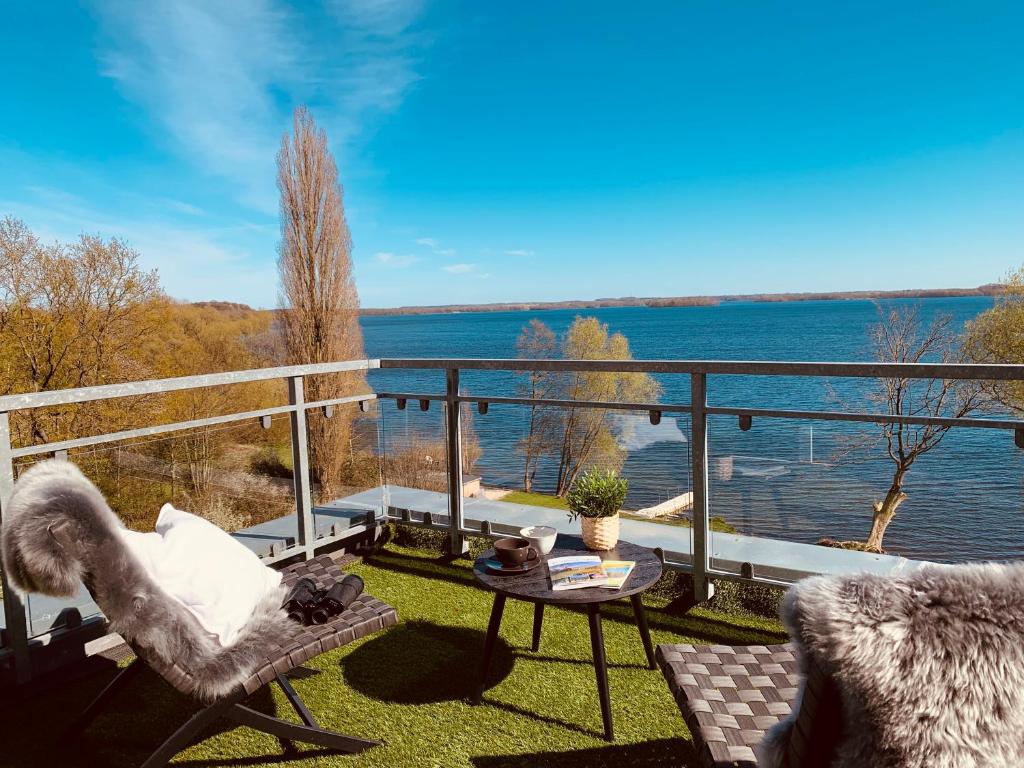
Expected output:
(410, 686)
(536, 499)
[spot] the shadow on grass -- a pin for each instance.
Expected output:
(594, 733)
(438, 568)
(291, 756)
(659, 753)
(420, 662)
(34, 724)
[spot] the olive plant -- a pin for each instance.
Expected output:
(597, 493)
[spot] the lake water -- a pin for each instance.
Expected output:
(780, 479)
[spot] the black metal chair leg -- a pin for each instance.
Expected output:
(296, 701)
(184, 736)
(492, 636)
(645, 633)
(538, 622)
(600, 667)
(243, 715)
(89, 713)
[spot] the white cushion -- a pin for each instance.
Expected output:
(208, 571)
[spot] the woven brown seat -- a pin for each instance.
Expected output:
(364, 617)
(730, 695)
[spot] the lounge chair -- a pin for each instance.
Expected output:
(58, 530)
(924, 670)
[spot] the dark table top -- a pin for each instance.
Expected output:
(535, 585)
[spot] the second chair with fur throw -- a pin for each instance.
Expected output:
(924, 670)
(58, 530)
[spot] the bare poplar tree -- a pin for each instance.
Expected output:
(320, 321)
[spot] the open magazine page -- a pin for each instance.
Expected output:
(576, 572)
(617, 572)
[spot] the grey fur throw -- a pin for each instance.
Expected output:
(58, 530)
(929, 666)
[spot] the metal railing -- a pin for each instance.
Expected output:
(458, 528)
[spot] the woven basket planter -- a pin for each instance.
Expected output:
(601, 533)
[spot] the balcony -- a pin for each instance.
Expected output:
(410, 685)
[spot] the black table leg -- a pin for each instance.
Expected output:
(600, 667)
(538, 621)
(492, 636)
(645, 633)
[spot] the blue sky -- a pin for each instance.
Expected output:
(519, 151)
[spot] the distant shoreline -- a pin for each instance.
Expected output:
(991, 289)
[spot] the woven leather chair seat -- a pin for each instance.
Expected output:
(364, 617)
(730, 695)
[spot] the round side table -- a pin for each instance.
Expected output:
(535, 587)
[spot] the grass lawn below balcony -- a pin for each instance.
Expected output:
(410, 686)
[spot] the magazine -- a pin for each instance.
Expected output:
(617, 572)
(576, 572)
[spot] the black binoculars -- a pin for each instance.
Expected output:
(306, 604)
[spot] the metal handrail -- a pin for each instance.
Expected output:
(969, 371)
(31, 400)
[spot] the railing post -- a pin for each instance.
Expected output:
(703, 589)
(14, 608)
(453, 418)
(300, 466)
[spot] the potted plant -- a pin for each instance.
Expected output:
(595, 498)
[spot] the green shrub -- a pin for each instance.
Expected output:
(730, 596)
(738, 597)
(431, 540)
(597, 493)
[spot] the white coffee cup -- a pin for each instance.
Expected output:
(540, 536)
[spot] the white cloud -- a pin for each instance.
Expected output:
(220, 79)
(182, 207)
(519, 252)
(459, 269)
(435, 246)
(394, 260)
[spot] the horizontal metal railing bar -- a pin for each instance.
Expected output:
(132, 434)
(869, 418)
(972, 371)
(409, 396)
(28, 400)
(602, 404)
(368, 397)
(756, 579)
(177, 426)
